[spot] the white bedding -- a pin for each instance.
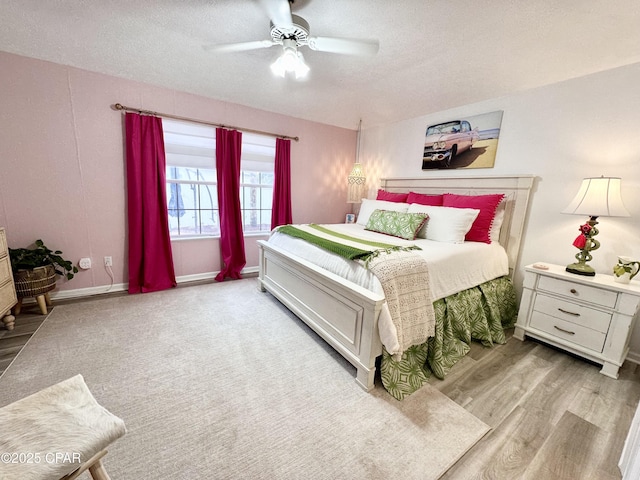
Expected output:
(452, 267)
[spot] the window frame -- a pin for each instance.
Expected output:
(263, 149)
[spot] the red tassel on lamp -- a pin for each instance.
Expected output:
(581, 240)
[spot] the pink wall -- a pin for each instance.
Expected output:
(62, 175)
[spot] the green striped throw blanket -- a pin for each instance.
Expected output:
(351, 248)
(402, 272)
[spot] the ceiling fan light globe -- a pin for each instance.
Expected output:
(277, 68)
(289, 60)
(301, 68)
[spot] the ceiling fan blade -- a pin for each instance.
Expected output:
(239, 47)
(279, 12)
(344, 45)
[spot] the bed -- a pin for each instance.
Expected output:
(348, 313)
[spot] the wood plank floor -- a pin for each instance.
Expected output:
(12, 341)
(553, 416)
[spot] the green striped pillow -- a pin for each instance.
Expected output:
(398, 224)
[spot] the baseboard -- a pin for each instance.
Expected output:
(123, 287)
(87, 292)
(633, 357)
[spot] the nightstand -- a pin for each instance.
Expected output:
(592, 317)
(7, 288)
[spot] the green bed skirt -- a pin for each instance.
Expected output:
(480, 313)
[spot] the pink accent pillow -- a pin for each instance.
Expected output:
(424, 199)
(487, 204)
(392, 197)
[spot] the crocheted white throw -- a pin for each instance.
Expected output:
(404, 277)
(49, 434)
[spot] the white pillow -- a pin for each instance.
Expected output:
(496, 224)
(368, 206)
(445, 224)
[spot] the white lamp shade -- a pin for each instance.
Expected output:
(598, 196)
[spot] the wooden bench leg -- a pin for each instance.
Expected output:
(42, 303)
(95, 467)
(18, 307)
(98, 471)
(47, 299)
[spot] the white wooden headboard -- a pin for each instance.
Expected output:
(516, 189)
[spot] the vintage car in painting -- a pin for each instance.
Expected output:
(445, 140)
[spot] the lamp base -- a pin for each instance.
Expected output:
(581, 269)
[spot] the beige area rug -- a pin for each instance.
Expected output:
(220, 381)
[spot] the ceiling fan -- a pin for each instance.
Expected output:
(292, 32)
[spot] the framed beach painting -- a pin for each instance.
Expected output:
(463, 142)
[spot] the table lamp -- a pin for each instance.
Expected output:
(597, 197)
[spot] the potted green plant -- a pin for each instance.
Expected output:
(35, 269)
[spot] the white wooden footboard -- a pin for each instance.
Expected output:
(344, 314)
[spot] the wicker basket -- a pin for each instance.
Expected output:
(30, 283)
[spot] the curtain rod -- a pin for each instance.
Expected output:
(119, 106)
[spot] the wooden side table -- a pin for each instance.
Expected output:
(592, 317)
(36, 283)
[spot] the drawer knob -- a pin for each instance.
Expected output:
(574, 291)
(569, 313)
(563, 330)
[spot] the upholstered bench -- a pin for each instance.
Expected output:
(56, 433)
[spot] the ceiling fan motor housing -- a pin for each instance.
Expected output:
(298, 31)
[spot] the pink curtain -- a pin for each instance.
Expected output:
(228, 150)
(281, 206)
(150, 258)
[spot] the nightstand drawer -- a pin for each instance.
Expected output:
(573, 313)
(577, 291)
(577, 334)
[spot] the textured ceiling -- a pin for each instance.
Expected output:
(433, 55)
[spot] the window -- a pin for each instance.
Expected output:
(256, 181)
(192, 197)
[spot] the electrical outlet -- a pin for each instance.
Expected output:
(85, 263)
(108, 261)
